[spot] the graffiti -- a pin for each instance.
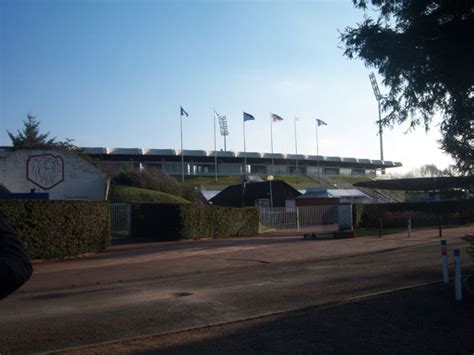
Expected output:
(45, 170)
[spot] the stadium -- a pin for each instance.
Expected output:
(203, 162)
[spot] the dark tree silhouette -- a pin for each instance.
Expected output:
(424, 50)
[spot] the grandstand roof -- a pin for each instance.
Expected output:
(144, 152)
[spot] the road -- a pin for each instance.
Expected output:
(162, 288)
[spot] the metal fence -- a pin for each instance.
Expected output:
(317, 219)
(120, 217)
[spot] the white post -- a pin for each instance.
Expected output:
(409, 227)
(273, 169)
(296, 147)
(457, 274)
(182, 153)
(245, 153)
(317, 150)
(444, 257)
(215, 147)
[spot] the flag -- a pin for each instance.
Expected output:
(183, 112)
(320, 122)
(248, 117)
(276, 118)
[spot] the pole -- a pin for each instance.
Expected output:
(245, 153)
(444, 257)
(273, 169)
(182, 153)
(409, 227)
(457, 274)
(380, 134)
(225, 145)
(215, 147)
(296, 148)
(317, 150)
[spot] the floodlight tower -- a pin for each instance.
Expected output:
(379, 98)
(224, 129)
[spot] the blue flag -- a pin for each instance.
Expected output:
(183, 112)
(248, 117)
(320, 122)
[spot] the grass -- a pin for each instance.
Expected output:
(127, 194)
(298, 182)
(364, 232)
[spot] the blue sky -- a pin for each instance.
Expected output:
(114, 73)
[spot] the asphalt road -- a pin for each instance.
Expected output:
(141, 293)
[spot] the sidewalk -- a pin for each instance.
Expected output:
(131, 262)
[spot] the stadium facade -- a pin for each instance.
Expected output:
(202, 162)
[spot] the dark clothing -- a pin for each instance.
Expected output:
(15, 267)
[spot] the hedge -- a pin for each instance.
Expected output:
(128, 194)
(55, 229)
(174, 222)
(422, 213)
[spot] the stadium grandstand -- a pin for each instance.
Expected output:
(202, 162)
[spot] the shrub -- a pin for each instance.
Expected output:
(55, 229)
(154, 179)
(175, 222)
(128, 194)
(421, 213)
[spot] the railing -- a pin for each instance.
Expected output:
(317, 219)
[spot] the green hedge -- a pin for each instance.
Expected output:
(128, 194)
(175, 222)
(55, 229)
(421, 213)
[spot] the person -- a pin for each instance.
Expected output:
(15, 267)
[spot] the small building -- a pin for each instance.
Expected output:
(257, 194)
(50, 174)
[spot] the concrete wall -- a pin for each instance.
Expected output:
(64, 175)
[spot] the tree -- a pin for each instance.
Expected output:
(424, 50)
(31, 138)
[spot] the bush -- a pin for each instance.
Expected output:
(55, 229)
(153, 179)
(128, 194)
(175, 222)
(421, 213)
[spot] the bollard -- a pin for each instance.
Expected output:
(444, 257)
(409, 227)
(457, 274)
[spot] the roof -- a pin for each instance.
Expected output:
(253, 190)
(332, 193)
(420, 184)
(108, 151)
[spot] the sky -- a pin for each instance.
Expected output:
(113, 73)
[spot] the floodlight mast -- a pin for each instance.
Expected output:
(224, 129)
(379, 98)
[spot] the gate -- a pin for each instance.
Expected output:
(311, 219)
(120, 218)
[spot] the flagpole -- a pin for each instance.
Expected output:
(182, 153)
(317, 149)
(273, 169)
(296, 149)
(245, 152)
(215, 147)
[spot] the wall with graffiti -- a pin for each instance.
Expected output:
(63, 175)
